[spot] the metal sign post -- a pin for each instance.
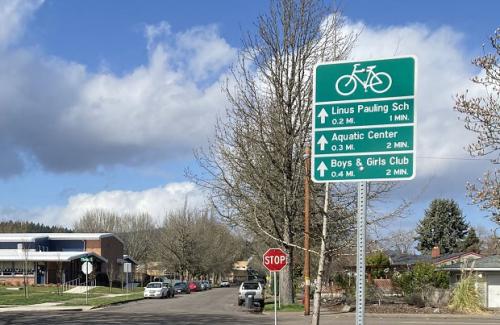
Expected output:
(127, 268)
(361, 245)
(87, 268)
(275, 306)
(87, 283)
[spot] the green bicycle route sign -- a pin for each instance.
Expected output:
(364, 122)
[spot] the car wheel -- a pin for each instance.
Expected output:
(240, 302)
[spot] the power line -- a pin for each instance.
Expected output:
(454, 158)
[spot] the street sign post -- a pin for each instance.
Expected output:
(364, 121)
(87, 268)
(364, 129)
(127, 268)
(275, 259)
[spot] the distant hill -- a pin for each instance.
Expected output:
(28, 226)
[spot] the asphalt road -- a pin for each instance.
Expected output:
(218, 306)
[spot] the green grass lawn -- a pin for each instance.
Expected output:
(293, 307)
(43, 294)
(102, 300)
(106, 291)
(36, 295)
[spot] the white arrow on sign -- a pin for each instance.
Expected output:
(323, 115)
(322, 168)
(322, 142)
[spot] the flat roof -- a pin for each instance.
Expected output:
(31, 237)
(34, 256)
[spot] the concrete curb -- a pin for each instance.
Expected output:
(38, 309)
(115, 303)
(491, 316)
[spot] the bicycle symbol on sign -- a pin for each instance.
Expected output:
(378, 82)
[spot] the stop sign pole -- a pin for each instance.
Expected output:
(275, 259)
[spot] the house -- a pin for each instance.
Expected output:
(402, 262)
(487, 270)
(57, 257)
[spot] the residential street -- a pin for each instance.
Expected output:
(217, 306)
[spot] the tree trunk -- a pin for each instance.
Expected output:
(321, 265)
(286, 274)
(286, 284)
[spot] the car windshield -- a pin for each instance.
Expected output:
(154, 285)
(250, 286)
(180, 285)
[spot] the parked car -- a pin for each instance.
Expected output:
(194, 286)
(182, 287)
(206, 285)
(156, 290)
(225, 284)
(251, 288)
(171, 290)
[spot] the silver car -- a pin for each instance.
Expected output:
(251, 288)
(157, 290)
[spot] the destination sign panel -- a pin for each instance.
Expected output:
(364, 121)
(364, 140)
(374, 167)
(364, 113)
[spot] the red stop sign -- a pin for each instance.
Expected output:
(275, 259)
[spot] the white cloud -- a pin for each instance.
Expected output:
(13, 16)
(443, 71)
(70, 119)
(155, 201)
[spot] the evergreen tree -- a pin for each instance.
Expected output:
(444, 226)
(29, 227)
(471, 243)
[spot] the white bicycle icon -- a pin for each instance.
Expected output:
(378, 82)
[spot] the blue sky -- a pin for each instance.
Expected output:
(103, 101)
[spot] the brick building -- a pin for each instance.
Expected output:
(55, 257)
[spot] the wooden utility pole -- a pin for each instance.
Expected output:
(307, 263)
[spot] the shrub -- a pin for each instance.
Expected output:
(465, 298)
(378, 261)
(420, 281)
(423, 275)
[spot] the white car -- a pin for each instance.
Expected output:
(224, 284)
(157, 290)
(251, 288)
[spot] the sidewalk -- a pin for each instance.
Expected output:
(48, 306)
(298, 318)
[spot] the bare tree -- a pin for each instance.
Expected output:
(110, 272)
(25, 249)
(193, 242)
(400, 241)
(178, 245)
(136, 230)
(254, 167)
(98, 220)
(482, 116)
(59, 272)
